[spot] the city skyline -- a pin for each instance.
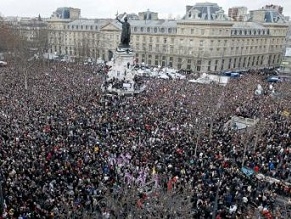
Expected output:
(109, 8)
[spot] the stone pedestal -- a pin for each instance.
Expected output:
(122, 64)
(122, 73)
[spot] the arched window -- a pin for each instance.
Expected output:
(163, 30)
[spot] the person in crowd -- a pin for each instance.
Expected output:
(68, 149)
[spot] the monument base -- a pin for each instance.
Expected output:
(121, 78)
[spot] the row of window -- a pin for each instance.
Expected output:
(239, 32)
(155, 30)
(212, 65)
(80, 27)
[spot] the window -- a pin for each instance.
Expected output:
(162, 30)
(189, 64)
(171, 49)
(164, 48)
(165, 40)
(135, 29)
(141, 29)
(155, 30)
(148, 29)
(157, 48)
(191, 42)
(202, 32)
(169, 30)
(209, 66)
(171, 61)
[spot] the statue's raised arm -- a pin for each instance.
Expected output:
(125, 34)
(120, 21)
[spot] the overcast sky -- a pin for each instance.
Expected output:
(108, 8)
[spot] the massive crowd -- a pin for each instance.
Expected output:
(70, 151)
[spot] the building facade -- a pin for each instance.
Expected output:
(205, 39)
(237, 13)
(33, 31)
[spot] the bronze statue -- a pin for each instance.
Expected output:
(125, 34)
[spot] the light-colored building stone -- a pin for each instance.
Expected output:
(237, 13)
(204, 40)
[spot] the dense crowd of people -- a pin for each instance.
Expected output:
(69, 150)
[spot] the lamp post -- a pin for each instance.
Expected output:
(216, 199)
(198, 135)
(1, 197)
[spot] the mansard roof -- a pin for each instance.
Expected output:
(205, 11)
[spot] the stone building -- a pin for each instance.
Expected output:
(237, 13)
(204, 40)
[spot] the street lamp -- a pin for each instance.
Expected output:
(1, 196)
(219, 183)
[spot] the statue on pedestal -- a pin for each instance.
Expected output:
(125, 34)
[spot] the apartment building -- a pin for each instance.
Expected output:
(205, 39)
(237, 13)
(33, 30)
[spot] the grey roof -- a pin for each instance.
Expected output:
(153, 23)
(95, 23)
(271, 16)
(89, 22)
(205, 11)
